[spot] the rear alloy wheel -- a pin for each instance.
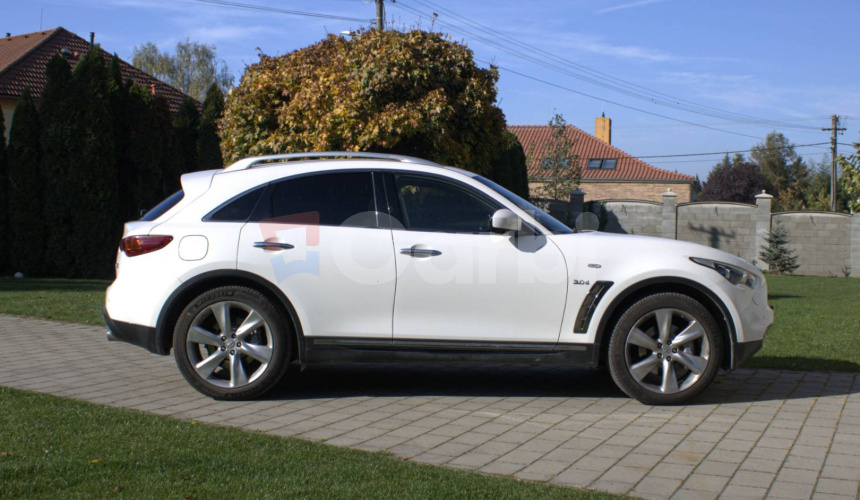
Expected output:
(230, 343)
(665, 349)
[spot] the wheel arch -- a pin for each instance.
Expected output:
(651, 286)
(180, 297)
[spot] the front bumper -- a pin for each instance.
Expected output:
(745, 350)
(139, 335)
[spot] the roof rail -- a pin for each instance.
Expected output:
(254, 161)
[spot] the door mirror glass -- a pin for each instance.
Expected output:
(506, 220)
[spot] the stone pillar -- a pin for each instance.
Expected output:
(577, 204)
(669, 228)
(763, 203)
(855, 245)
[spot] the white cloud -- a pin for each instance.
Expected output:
(639, 3)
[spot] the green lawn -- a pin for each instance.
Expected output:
(817, 325)
(52, 447)
(80, 301)
(817, 319)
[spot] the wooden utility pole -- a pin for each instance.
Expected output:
(834, 128)
(380, 14)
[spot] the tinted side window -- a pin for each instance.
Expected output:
(337, 197)
(433, 205)
(164, 206)
(239, 209)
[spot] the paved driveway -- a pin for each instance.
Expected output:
(758, 433)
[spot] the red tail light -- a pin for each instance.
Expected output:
(139, 245)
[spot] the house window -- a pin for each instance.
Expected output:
(545, 163)
(604, 163)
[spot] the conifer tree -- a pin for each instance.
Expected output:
(143, 152)
(170, 162)
(208, 140)
(185, 131)
(509, 169)
(96, 225)
(25, 189)
(777, 255)
(4, 201)
(58, 134)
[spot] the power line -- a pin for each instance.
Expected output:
(539, 56)
(727, 152)
(618, 103)
(226, 3)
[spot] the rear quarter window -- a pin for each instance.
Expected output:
(164, 206)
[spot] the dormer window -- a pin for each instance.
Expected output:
(545, 163)
(602, 163)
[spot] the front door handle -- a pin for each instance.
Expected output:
(273, 245)
(420, 251)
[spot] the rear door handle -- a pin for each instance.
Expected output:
(420, 251)
(273, 245)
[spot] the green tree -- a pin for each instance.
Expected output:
(192, 68)
(186, 128)
(170, 163)
(510, 169)
(559, 165)
(779, 258)
(733, 180)
(59, 129)
(850, 178)
(413, 92)
(208, 140)
(137, 145)
(817, 188)
(96, 225)
(25, 190)
(4, 199)
(784, 171)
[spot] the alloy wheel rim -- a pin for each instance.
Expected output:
(667, 351)
(229, 344)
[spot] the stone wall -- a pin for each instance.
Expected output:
(630, 216)
(820, 240)
(826, 244)
(727, 226)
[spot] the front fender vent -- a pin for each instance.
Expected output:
(598, 290)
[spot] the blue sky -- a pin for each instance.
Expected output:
(791, 62)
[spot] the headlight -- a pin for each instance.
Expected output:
(734, 274)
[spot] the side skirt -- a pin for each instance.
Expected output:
(361, 350)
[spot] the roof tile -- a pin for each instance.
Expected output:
(23, 59)
(535, 140)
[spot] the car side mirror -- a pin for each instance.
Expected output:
(505, 220)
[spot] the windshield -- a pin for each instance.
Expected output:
(542, 217)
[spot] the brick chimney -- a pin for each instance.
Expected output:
(603, 128)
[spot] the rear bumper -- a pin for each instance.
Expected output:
(139, 335)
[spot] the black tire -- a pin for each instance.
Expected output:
(275, 333)
(621, 352)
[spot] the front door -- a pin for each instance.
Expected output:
(457, 280)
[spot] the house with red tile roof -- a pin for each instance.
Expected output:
(23, 59)
(607, 172)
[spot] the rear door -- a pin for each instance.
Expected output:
(318, 238)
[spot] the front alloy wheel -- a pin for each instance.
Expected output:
(665, 349)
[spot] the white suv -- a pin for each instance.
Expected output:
(344, 257)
